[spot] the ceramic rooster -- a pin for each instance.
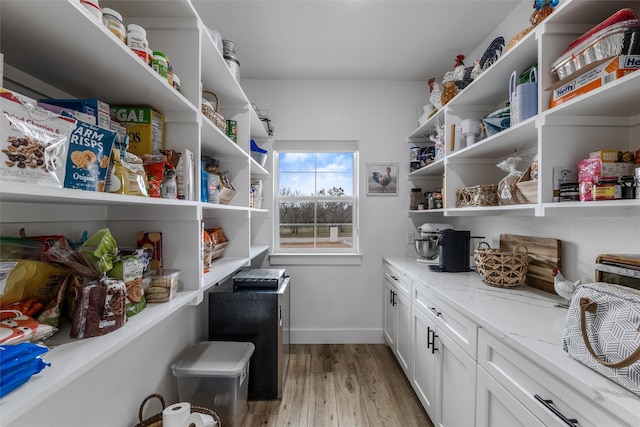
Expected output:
(436, 93)
(383, 179)
(563, 287)
(458, 69)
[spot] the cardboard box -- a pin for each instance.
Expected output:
(93, 107)
(88, 157)
(145, 128)
(87, 118)
(592, 77)
(609, 156)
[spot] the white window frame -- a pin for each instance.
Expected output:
(318, 255)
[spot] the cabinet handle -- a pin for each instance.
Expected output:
(549, 405)
(393, 298)
(394, 277)
(433, 342)
(435, 311)
(429, 342)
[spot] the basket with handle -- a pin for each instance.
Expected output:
(156, 420)
(501, 268)
(212, 113)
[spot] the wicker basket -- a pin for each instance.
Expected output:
(478, 195)
(212, 113)
(156, 420)
(504, 269)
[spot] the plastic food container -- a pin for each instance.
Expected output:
(617, 35)
(160, 285)
(215, 375)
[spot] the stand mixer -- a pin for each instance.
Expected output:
(427, 245)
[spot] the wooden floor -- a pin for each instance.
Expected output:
(343, 385)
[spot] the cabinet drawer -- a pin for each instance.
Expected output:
(525, 379)
(459, 328)
(400, 280)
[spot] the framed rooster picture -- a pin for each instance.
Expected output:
(382, 179)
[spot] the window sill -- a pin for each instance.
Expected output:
(315, 259)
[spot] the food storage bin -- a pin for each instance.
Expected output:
(215, 375)
(160, 285)
(258, 154)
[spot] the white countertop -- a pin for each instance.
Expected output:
(527, 319)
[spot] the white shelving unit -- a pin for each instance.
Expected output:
(607, 118)
(89, 62)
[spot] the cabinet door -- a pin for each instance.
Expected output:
(389, 298)
(424, 361)
(496, 407)
(455, 384)
(403, 333)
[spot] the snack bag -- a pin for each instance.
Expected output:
(129, 269)
(34, 142)
(99, 307)
(17, 327)
(508, 191)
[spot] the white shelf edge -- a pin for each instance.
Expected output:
(69, 360)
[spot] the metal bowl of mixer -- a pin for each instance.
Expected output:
(427, 248)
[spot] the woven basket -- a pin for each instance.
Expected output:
(156, 420)
(504, 269)
(478, 195)
(212, 113)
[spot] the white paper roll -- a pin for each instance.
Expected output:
(176, 414)
(198, 419)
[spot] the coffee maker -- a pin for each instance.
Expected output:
(453, 246)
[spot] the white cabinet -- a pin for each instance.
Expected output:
(74, 56)
(545, 397)
(603, 119)
(444, 374)
(397, 315)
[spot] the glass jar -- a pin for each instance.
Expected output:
(416, 198)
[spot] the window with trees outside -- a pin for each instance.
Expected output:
(316, 201)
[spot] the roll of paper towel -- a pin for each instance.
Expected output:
(176, 414)
(198, 419)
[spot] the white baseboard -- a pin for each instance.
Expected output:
(337, 336)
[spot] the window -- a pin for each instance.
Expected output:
(316, 200)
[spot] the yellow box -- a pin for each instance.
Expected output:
(606, 156)
(145, 128)
(592, 77)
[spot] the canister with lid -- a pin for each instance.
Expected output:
(416, 198)
(628, 186)
(161, 64)
(137, 41)
(113, 21)
(93, 6)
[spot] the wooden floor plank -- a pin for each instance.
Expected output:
(341, 385)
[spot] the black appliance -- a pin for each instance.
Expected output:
(255, 311)
(453, 247)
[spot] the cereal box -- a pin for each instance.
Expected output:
(88, 157)
(95, 107)
(33, 141)
(145, 128)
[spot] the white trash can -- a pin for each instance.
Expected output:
(215, 375)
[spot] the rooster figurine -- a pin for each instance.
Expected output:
(383, 180)
(564, 287)
(436, 93)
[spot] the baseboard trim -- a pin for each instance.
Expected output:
(337, 336)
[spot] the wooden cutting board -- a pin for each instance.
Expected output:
(544, 253)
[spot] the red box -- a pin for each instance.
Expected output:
(151, 240)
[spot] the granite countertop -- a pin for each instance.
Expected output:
(528, 320)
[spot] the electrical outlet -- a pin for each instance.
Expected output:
(410, 237)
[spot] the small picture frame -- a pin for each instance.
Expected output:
(382, 179)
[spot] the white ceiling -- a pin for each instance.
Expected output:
(352, 39)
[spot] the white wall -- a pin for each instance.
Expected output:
(344, 303)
